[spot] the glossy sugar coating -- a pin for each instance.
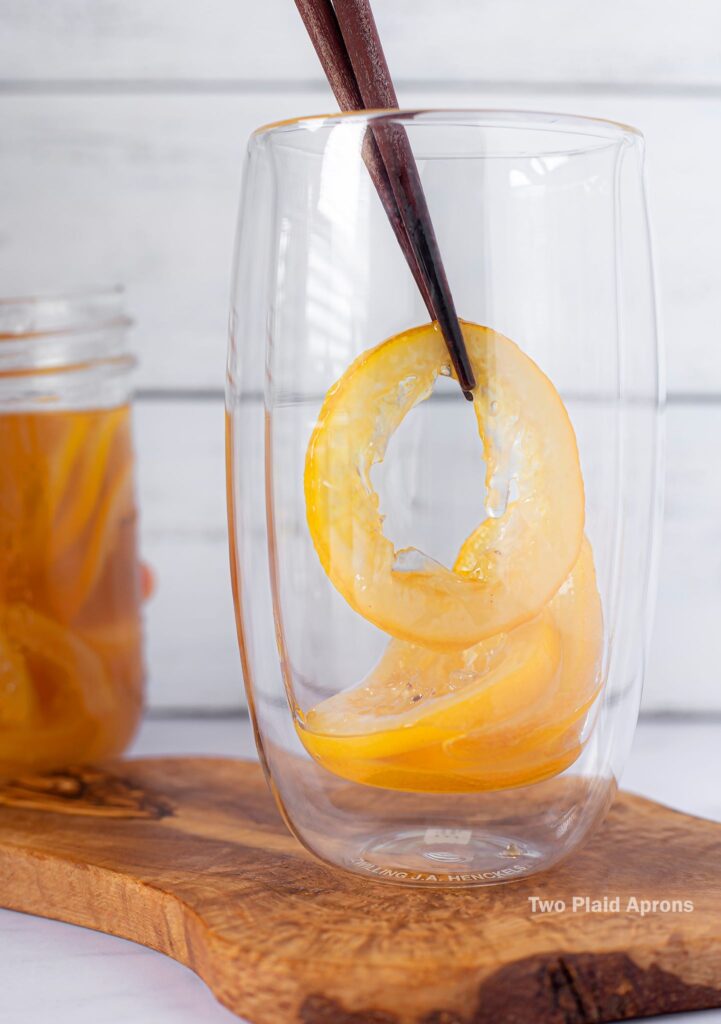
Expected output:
(492, 666)
(513, 563)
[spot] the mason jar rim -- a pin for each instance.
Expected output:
(536, 120)
(64, 331)
(86, 309)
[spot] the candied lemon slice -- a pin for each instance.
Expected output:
(507, 712)
(84, 461)
(18, 703)
(493, 771)
(77, 672)
(514, 562)
(417, 697)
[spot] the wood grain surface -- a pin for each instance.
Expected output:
(190, 857)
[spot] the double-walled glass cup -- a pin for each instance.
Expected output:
(443, 616)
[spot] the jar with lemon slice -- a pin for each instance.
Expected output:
(71, 665)
(442, 605)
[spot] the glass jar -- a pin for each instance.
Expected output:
(443, 634)
(71, 651)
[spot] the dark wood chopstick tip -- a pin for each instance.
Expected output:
(346, 40)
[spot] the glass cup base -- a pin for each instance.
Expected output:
(446, 857)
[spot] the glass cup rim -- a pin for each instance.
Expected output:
(474, 117)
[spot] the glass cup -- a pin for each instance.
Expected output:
(71, 653)
(443, 616)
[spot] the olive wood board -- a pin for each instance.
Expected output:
(190, 857)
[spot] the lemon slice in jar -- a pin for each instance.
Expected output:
(18, 702)
(513, 563)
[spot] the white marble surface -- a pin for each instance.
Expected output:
(67, 975)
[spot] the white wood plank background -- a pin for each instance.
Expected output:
(143, 189)
(627, 41)
(122, 130)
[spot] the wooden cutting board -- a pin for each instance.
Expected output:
(190, 857)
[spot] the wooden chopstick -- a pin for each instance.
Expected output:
(322, 26)
(346, 39)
